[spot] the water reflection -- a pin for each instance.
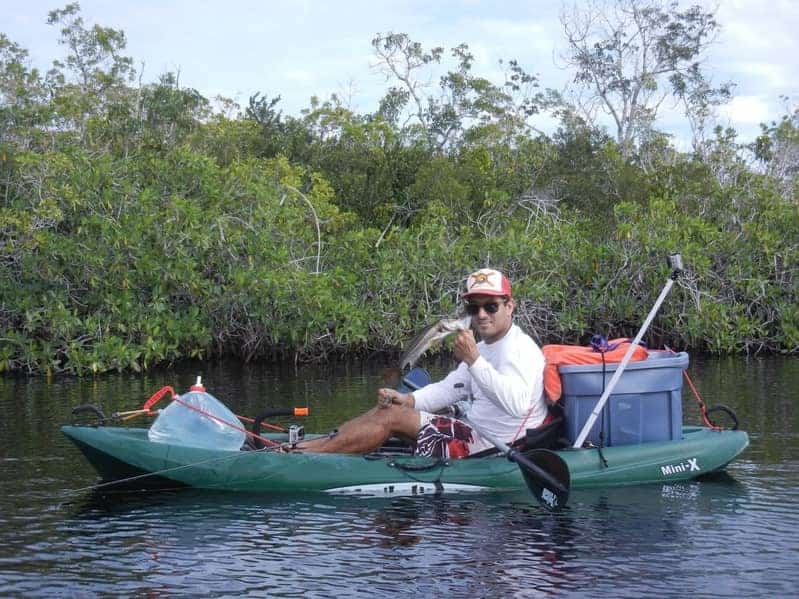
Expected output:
(380, 539)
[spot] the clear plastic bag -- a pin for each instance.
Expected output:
(180, 425)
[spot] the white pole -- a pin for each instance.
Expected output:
(677, 265)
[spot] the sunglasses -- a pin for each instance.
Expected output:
(490, 308)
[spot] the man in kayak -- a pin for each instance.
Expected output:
(503, 373)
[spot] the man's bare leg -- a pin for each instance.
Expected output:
(367, 432)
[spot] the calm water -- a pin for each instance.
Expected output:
(734, 535)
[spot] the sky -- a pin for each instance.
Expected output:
(303, 48)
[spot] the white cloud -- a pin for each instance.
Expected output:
(298, 75)
(769, 73)
(757, 47)
(747, 110)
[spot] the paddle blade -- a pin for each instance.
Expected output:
(546, 475)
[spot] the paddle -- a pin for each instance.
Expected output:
(545, 472)
(675, 263)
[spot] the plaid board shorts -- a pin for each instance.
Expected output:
(443, 437)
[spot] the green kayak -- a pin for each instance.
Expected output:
(121, 453)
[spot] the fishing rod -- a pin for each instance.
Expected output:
(261, 443)
(147, 409)
(254, 435)
(130, 414)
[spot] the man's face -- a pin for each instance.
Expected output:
(491, 315)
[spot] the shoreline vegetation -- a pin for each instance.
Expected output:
(143, 224)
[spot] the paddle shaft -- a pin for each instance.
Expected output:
(549, 487)
(518, 458)
(625, 360)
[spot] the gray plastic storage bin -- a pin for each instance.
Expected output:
(646, 404)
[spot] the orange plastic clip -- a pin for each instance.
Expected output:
(300, 411)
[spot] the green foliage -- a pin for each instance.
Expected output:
(629, 55)
(139, 227)
(778, 150)
(469, 108)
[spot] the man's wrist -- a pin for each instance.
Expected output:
(474, 361)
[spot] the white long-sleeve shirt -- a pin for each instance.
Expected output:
(506, 382)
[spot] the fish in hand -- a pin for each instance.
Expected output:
(430, 336)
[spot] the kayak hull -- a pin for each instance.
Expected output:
(119, 453)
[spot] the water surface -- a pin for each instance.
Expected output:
(736, 534)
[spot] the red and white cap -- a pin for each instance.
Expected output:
(487, 281)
